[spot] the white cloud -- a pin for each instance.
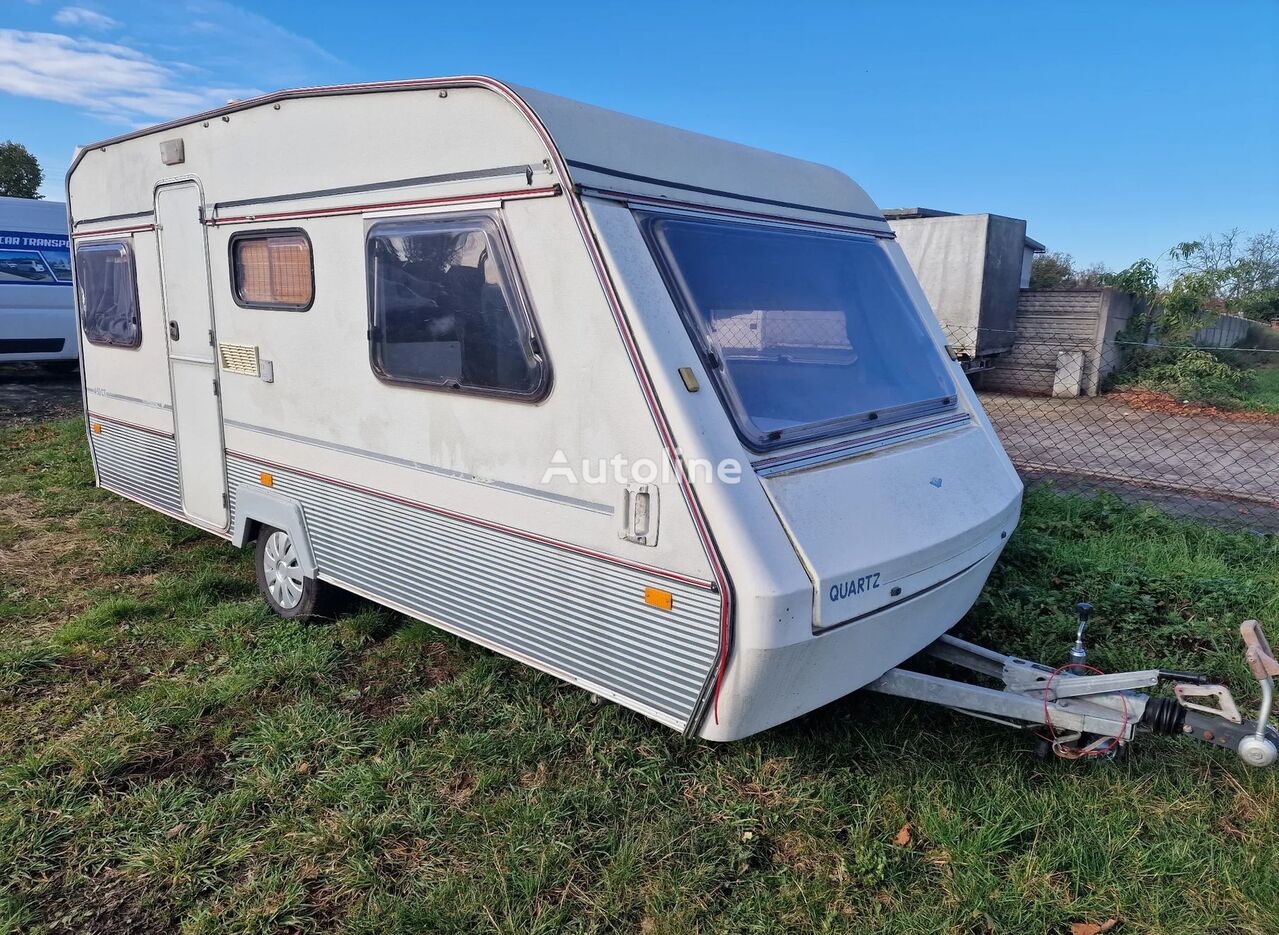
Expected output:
(168, 58)
(230, 36)
(81, 16)
(109, 80)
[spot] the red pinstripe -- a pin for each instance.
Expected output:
(132, 425)
(476, 521)
(114, 230)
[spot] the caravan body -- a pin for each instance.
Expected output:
(37, 315)
(494, 358)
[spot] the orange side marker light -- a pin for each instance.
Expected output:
(96, 427)
(655, 597)
(266, 479)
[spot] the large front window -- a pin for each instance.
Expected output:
(806, 333)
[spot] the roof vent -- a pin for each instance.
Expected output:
(172, 152)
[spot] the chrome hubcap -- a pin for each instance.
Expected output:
(283, 573)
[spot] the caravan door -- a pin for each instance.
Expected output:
(193, 373)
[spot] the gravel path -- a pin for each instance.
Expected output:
(1105, 439)
(29, 394)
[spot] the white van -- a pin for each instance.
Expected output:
(663, 415)
(37, 312)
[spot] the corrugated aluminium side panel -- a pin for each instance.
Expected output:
(138, 463)
(575, 615)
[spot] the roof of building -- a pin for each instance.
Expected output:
(912, 214)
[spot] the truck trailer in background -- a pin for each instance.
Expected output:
(972, 268)
(37, 310)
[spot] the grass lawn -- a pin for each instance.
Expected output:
(173, 757)
(1264, 393)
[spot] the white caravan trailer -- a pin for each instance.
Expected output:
(37, 313)
(491, 357)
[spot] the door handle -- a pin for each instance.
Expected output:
(639, 514)
(173, 330)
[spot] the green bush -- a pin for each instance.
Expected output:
(1260, 306)
(1197, 376)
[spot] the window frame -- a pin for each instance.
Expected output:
(822, 430)
(127, 244)
(262, 234)
(514, 290)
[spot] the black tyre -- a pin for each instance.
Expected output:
(291, 594)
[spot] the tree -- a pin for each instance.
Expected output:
(1057, 271)
(1235, 275)
(20, 173)
(1052, 271)
(1141, 279)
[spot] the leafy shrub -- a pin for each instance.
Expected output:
(1197, 376)
(1261, 306)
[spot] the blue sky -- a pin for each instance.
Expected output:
(1116, 128)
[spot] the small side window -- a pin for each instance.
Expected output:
(445, 311)
(59, 260)
(272, 270)
(108, 290)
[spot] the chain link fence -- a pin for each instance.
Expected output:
(1192, 427)
(1084, 397)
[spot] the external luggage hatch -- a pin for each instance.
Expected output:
(884, 527)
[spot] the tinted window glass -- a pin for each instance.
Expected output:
(273, 270)
(808, 333)
(445, 311)
(59, 261)
(108, 294)
(21, 266)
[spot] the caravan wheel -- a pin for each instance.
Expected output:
(290, 593)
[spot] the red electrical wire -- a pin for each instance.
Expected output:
(1048, 722)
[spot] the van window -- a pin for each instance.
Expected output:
(806, 333)
(272, 270)
(24, 267)
(108, 293)
(59, 260)
(445, 311)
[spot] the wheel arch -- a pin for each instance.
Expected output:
(256, 507)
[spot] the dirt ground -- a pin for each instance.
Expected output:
(29, 394)
(1107, 440)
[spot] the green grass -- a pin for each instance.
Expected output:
(174, 758)
(1264, 392)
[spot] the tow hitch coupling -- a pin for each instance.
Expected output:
(1080, 711)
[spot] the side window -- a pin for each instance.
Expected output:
(23, 266)
(445, 311)
(272, 270)
(59, 260)
(108, 293)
